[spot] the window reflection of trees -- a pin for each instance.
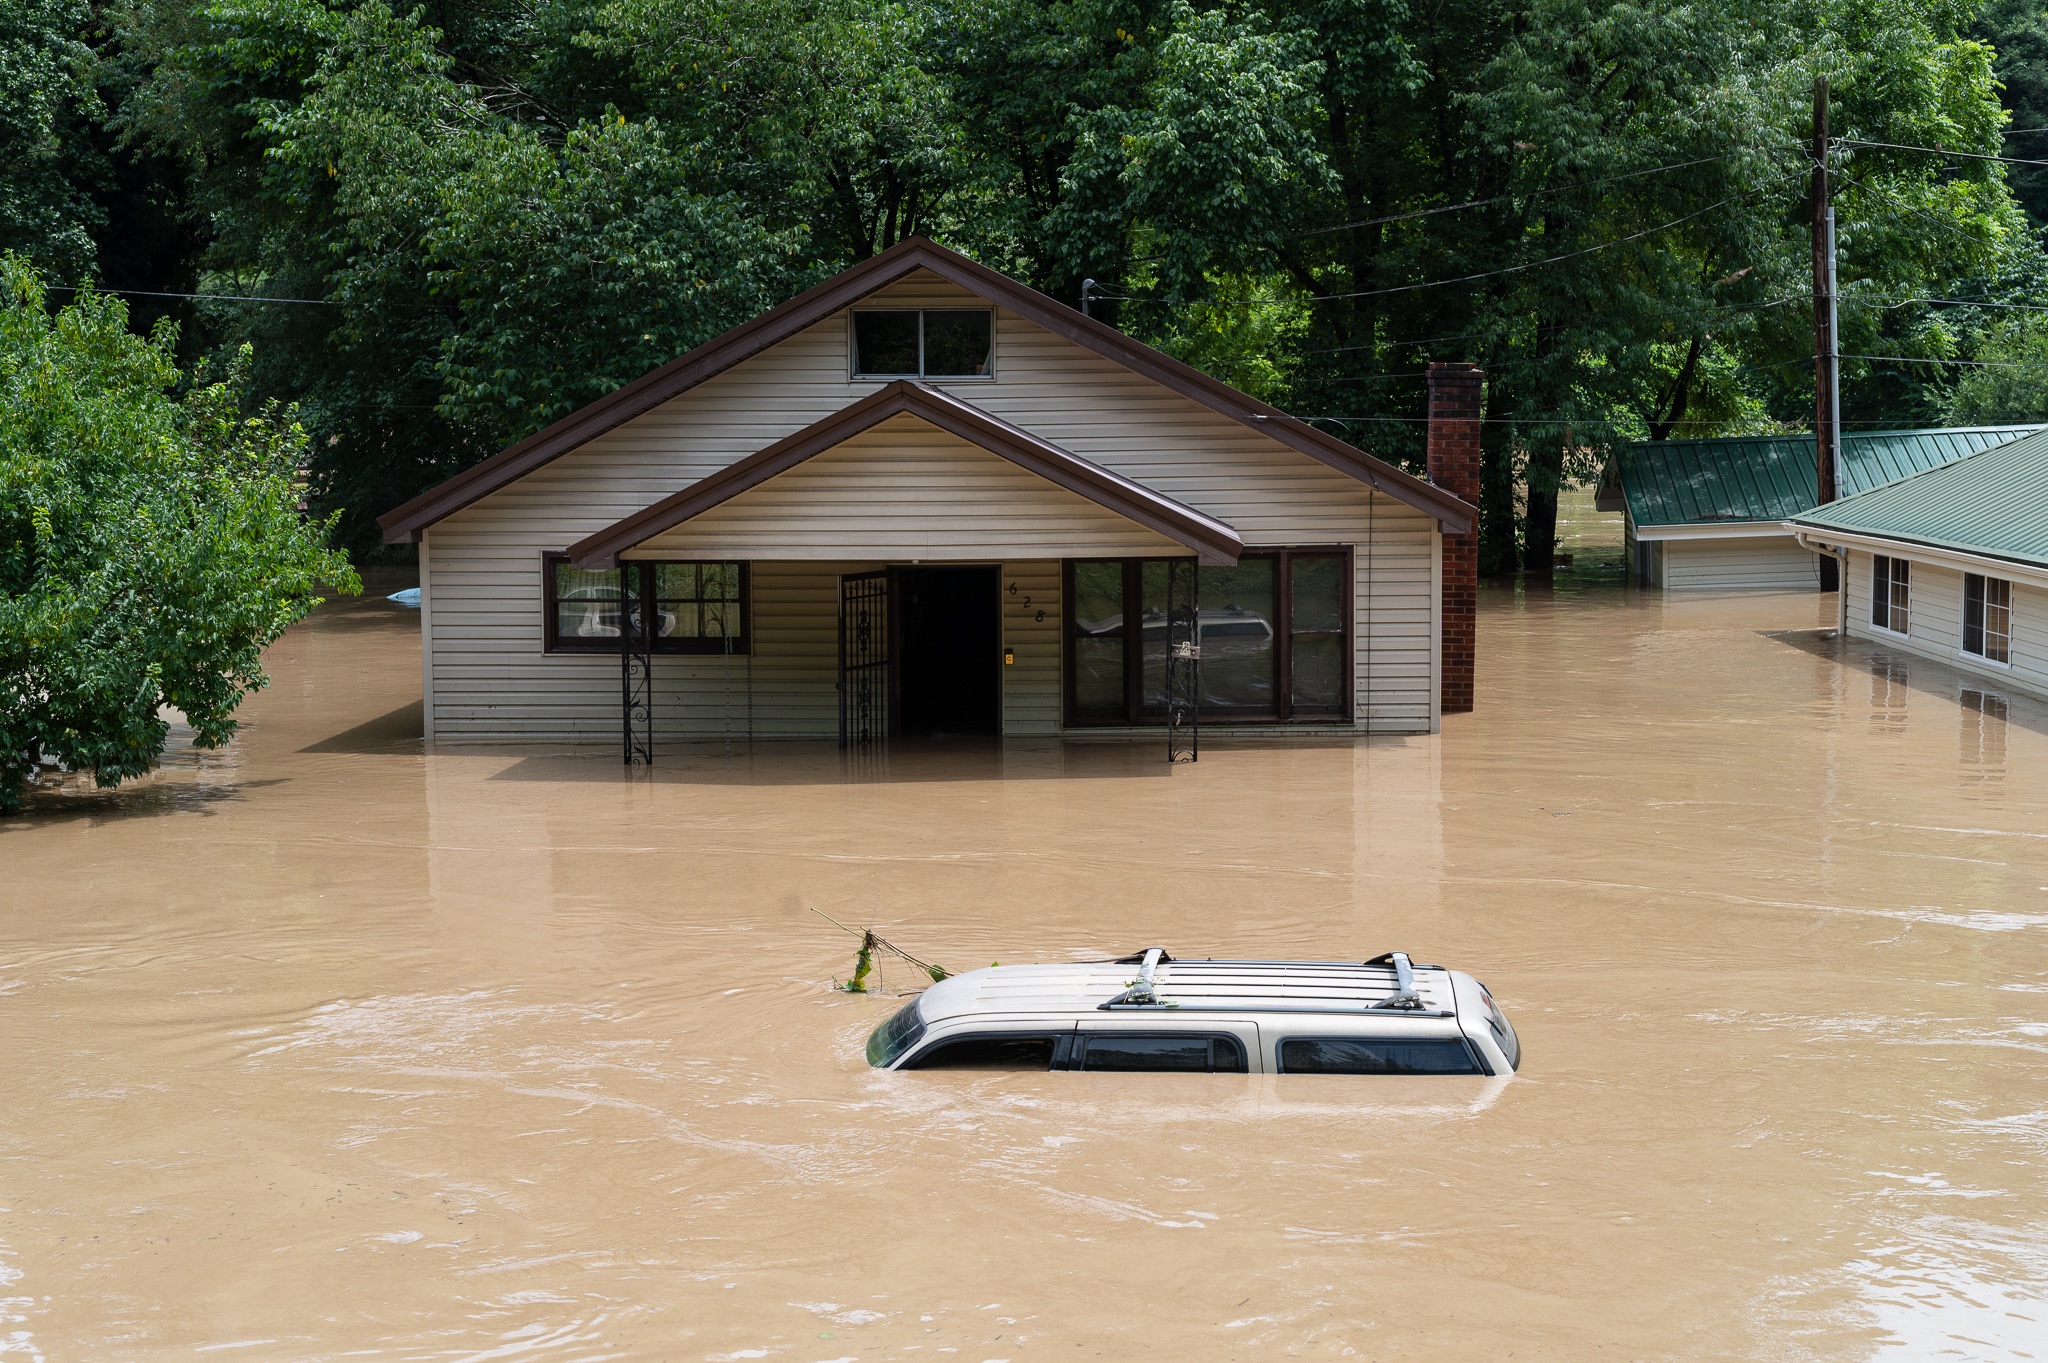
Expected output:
(1252, 640)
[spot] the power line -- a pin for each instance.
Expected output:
(238, 298)
(1457, 279)
(207, 297)
(1941, 151)
(1497, 199)
(1532, 264)
(1909, 208)
(1540, 331)
(1914, 359)
(1950, 302)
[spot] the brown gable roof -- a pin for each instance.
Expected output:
(404, 524)
(1211, 539)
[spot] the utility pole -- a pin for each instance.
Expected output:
(1827, 398)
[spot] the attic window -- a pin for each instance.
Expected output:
(929, 343)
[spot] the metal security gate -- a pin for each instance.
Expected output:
(636, 669)
(863, 659)
(1183, 661)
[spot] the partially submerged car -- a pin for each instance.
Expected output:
(1152, 1012)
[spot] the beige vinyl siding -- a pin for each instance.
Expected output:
(489, 678)
(906, 490)
(1032, 686)
(1739, 563)
(1935, 623)
(496, 683)
(1396, 594)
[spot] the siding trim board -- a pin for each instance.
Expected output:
(1826, 539)
(405, 524)
(1729, 530)
(1212, 541)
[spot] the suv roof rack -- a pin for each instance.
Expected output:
(1211, 985)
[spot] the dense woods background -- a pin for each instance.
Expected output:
(442, 227)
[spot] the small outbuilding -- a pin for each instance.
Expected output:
(924, 499)
(1950, 564)
(1715, 515)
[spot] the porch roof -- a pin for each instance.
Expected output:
(1211, 540)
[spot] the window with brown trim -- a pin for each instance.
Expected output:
(1275, 635)
(696, 607)
(923, 343)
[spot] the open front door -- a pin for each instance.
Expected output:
(863, 659)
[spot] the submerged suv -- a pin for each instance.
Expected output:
(1152, 1012)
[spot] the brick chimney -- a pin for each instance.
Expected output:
(1454, 409)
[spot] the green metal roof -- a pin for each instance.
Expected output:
(1994, 503)
(1772, 478)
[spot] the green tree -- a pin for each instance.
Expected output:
(151, 545)
(501, 208)
(2017, 30)
(47, 101)
(2008, 384)
(482, 249)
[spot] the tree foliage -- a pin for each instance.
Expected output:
(499, 210)
(151, 544)
(47, 95)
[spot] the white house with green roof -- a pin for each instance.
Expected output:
(1951, 564)
(1715, 515)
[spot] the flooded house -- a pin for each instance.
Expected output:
(1951, 563)
(924, 499)
(1716, 515)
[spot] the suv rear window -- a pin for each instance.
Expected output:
(1153, 1052)
(1377, 1055)
(997, 1052)
(895, 1036)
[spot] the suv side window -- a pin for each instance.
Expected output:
(991, 1051)
(1181, 1051)
(1377, 1055)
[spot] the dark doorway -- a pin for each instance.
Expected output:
(948, 651)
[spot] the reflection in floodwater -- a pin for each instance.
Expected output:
(326, 1045)
(1891, 679)
(1984, 716)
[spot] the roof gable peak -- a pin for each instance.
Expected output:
(405, 524)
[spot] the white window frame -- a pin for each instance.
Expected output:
(1962, 622)
(1886, 627)
(854, 375)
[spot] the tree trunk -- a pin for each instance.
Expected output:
(1672, 409)
(1539, 532)
(1498, 556)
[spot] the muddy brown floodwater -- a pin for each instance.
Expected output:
(325, 1047)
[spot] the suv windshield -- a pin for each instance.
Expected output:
(895, 1036)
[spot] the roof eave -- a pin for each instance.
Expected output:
(403, 524)
(1212, 541)
(1960, 555)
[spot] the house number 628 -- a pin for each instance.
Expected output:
(1026, 604)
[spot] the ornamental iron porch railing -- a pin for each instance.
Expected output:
(636, 670)
(1183, 661)
(863, 659)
